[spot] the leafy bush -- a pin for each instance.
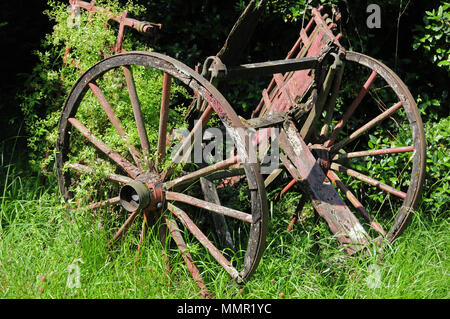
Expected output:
(294, 10)
(434, 36)
(437, 184)
(51, 80)
(90, 41)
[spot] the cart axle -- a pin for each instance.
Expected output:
(136, 196)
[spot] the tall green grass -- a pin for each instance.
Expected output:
(40, 241)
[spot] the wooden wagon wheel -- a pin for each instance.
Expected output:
(370, 144)
(106, 146)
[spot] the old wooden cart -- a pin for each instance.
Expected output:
(357, 157)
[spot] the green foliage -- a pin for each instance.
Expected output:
(38, 244)
(436, 197)
(294, 10)
(430, 106)
(434, 36)
(51, 80)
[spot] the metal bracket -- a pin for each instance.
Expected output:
(214, 68)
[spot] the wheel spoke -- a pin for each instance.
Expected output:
(210, 194)
(383, 151)
(86, 169)
(132, 170)
(286, 188)
(189, 224)
(332, 101)
(163, 118)
(365, 128)
(124, 228)
(209, 206)
(111, 201)
(115, 122)
(225, 175)
(289, 166)
(367, 179)
(136, 105)
(176, 234)
(351, 109)
(143, 231)
(269, 179)
(355, 202)
(201, 172)
(184, 152)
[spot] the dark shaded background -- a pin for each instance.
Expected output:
(188, 36)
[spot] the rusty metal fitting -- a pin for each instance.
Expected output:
(157, 199)
(134, 196)
(325, 164)
(214, 66)
(146, 27)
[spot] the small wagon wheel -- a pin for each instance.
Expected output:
(114, 147)
(371, 144)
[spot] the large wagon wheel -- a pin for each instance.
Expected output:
(112, 142)
(371, 144)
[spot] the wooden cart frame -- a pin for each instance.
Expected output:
(300, 102)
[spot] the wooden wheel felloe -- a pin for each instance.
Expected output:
(371, 145)
(115, 146)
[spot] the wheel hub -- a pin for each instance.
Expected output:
(144, 192)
